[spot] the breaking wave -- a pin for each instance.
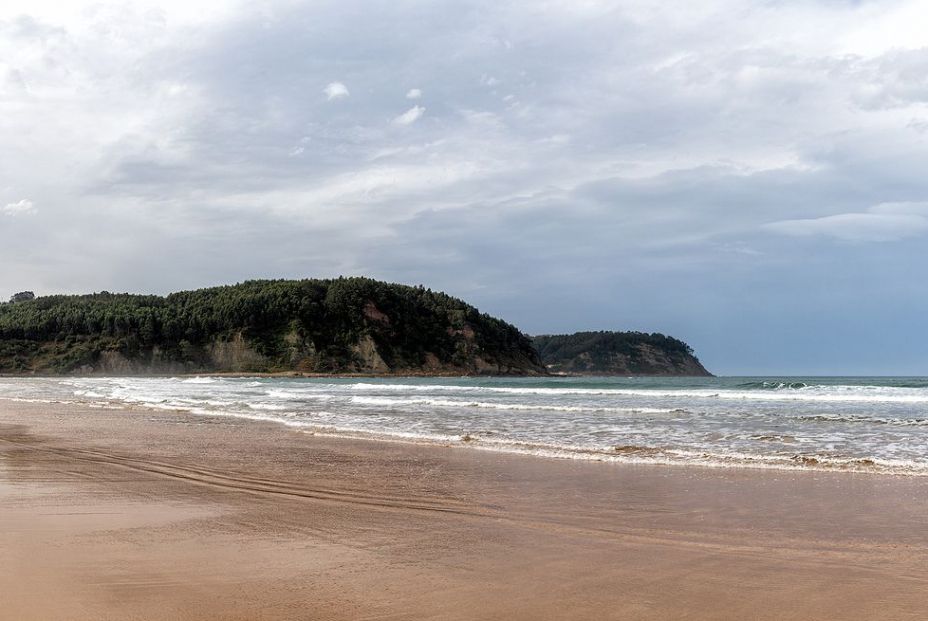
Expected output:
(867, 425)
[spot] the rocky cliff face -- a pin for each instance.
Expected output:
(237, 354)
(617, 353)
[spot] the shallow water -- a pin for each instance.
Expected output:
(859, 424)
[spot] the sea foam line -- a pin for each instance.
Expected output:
(452, 403)
(850, 394)
(645, 455)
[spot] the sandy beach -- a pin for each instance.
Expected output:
(137, 514)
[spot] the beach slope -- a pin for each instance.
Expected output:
(122, 514)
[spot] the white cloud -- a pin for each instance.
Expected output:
(19, 208)
(335, 90)
(883, 223)
(410, 116)
(414, 93)
(897, 25)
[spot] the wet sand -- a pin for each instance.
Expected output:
(134, 514)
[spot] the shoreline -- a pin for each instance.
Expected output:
(313, 375)
(110, 514)
(621, 455)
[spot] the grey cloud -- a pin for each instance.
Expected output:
(576, 165)
(883, 223)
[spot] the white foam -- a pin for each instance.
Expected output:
(452, 403)
(851, 394)
(839, 427)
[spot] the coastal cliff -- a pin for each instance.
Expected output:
(617, 353)
(344, 325)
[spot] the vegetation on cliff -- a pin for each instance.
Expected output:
(336, 325)
(617, 353)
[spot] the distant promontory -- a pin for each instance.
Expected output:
(617, 353)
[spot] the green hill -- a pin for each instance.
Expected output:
(342, 325)
(617, 353)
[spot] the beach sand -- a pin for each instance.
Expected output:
(135, 514)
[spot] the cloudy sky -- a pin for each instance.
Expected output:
(749, 176)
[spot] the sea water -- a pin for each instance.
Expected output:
(875, 424)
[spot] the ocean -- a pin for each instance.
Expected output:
(861, 424)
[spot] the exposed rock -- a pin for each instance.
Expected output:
(374, 314)
(370, 359)
(236, 355)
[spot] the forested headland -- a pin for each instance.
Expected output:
(343, 325)
(617, 353)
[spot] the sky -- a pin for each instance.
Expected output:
(747, 176)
